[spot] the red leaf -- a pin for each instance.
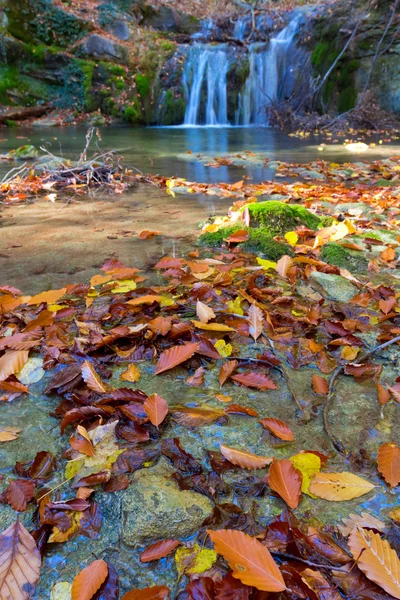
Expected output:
(19, 493)
(159, 550)
(158, 592)
(286, 481)
(366, 371)
(320, 385)
(89, 580)
(278, 428)
(226, 371)
(255, 380)
(201, 589)
(156, 409)
(175, 356)
(232, 589)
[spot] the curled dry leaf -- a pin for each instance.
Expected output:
(156, 409)
(286, 481)
(243, 459)
(89, 580)
(19, 563)
(93, 380)
(12, 362)
(364, 520)
(283, 265)
(159, 550)
(389, 463)
(175, 356)
(337, 487)
(250, 561)
(204, 313)
(158, 592)
(226, 371)
(278, 428)
(197, 379)
(320, 385)
(255, 319)
(376, 559)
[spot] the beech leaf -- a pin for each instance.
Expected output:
(175, 356)
(159, 550)
(93, 380)
(376, 559)
(337, 487)
(158, 592)
(255, 319)
(320, 385)
(195, 417)
(204, 313)
(286, 481)
(243, 459)
(226, 371)
(255, 380)
(250, 561)
(12, 362)
(89, 580)
(278, 428)
(19, 563)
(156, 409)
(389, 463)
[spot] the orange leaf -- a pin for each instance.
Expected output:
(388, 254)
(320, 385)
(389, 463)
(12, 362)
(286, 481)
(376, 559)
(249, 560)
(255, 380)
(383, 394)
(146, 234)
(242, 235)
(197, 379)
(159, 550)
(20, 562)
(158, 592)
(49, 297)
(93, 380)
(245, 460)
(89, 580)
(204, 313)
(175, 356)
(195, 417)
(255, 319)
(278, 428)
(387, 305)
(226, 371)
(223, 398)
(132, 374)
(149, 299)
(156, 409)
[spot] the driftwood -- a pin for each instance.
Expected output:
(21, 113)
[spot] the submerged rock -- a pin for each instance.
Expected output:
(334, 287)
(27, 152)
(154, 508)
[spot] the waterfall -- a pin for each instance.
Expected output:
(269, 64)
(204, 81)
(273, 67)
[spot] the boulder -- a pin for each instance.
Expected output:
(333, 287)
(121, 30)
(154, 508)
(101, 47)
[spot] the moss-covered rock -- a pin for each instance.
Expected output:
(278, 218)
(337, 255)
(24, 153)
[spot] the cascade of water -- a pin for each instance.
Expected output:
(239, 30)
(204, 81)
(268, 66)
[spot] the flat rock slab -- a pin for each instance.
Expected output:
(333, 287)
(154, 508)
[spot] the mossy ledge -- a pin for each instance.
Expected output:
(338, 256)
(260, 241)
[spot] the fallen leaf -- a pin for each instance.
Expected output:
(20, 562)
(194, 559)
(308, 464)
(89, 580)
(338, 487)
(159, 550)
(285, 480)
(320, 385)
(226, 371)
(158, 592)
(212, 326)
(278, 428)
(204, 313)
(175, 356)
(8, 434)
(195, 417)
(255, 380)
(93, 380)
(389, 463)
(132, 374)
(19, 493)
(146, 234)
(243, 459)
(223, 349)
(223, 398)
(283, 265)
(388, 255)
(49, 297)
(12, 362)
(156, 409)
(250, 561)
(383, 394)
(197, 379)
(376, 559)
(256, 319)
(364, 520)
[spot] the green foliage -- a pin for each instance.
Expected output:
(54, 25)
(173, 108)
(77, 89)
(132, 113)
(142, 85)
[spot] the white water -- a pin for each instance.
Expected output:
(205, 78)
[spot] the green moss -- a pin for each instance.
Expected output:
(15, 84)
(167, 46)
(261, 241)
(278, 218)
(320, 54)
(10, 123)
(337, 255)
(347, 99)
(132, 114)
(142, 85)
(172, 111)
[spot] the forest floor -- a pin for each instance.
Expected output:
(222, 424)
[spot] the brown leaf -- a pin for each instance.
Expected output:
(158, 592)
(146, 234)
(286, 481)
(19, 493)
(283, 265)
(156, 409)
(255, 380)
(89, 580)
(387, 305)
(20, 563)
(81, 445)
(388, 254)
(226, 371)
(149, 299)
(197, 379)
(159, 550)
(204, 313)
(320, 385)
(367, 370)
(383, 394)
(245, 460)
(249, 560)
(376, 559)
(255, 319)
(237, 409)
(12, 362)
(175, 356)
(195, 417)
(278, 428)
(93, 380)
(389, 463)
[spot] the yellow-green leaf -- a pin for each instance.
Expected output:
(223, 348)
(266, 264)
(194, 560)
(291, 237)
(308, 464)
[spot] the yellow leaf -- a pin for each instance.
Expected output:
(56, 307)
(308, 464)
(100, 279)
(223, 348)
(194, 560)
(349, 352)
(59, 536)
(124, 286)
(266, 264)
(72, 468)
(132, 374)
(337, 487)
(234, 306)
(212, 326)
(223, 398)
(291, 237)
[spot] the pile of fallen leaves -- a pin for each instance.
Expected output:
(208, 312)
